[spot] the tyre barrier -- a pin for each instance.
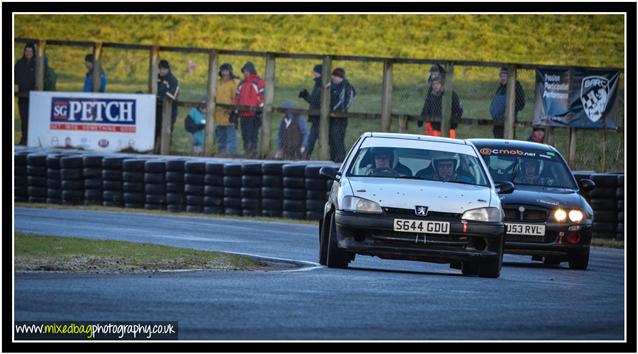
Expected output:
(607, 201)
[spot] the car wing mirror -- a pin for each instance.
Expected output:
(505, 188)
(587, 185)
(330, 172)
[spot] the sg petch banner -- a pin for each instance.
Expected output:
(576, 98)
(92, 121)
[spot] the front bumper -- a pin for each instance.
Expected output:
(373, 234)
(554, 243)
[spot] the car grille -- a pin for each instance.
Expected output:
(530, 213)
(430, 214)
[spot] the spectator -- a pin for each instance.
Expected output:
(250, 92)
(195, 123)
(432, 109)
(293, 135)
(497, 106)
(167, 86)
(25, 79)
(436, 71)
(225, 129)
(89, 60)
(314, 99)
(342, 94)
(537, 136)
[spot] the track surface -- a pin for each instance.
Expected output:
(373, 300)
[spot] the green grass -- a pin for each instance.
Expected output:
(608, 243)
(540, 39)
(36, 252)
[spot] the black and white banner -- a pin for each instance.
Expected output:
(576, 98)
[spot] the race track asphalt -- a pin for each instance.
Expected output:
(372, 300)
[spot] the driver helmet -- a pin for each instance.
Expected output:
(530, 162)
(383, 151)
(440, 156)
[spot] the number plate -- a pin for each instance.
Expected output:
(525, 229)
(422, 226)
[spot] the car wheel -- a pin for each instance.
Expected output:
(491, 269)
(469, 268)
(579, 260)
(323, 250)
(335, 257)
(551, 261)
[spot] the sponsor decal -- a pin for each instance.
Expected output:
(510, 152)
(544, 156)
(594, 94)
(103, 143)
(547, 202)
(93, 114)
(485, 151)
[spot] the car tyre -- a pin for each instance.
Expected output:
(579, 261)
(469, 268)
(335, 257)
(551, 261)
(323, 242)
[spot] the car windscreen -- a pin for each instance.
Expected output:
(433, 165)
(535, 168)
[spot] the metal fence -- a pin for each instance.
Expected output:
(392, 94)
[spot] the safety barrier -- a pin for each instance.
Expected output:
(293, 190)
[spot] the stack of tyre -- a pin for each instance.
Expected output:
(72, 176)
(112, 195)
(251, 189)
(603, 200)
(232, 188)
(194, 185)
(21, 183)
(92, 173)
(620, 206)
(316, 192)
(294, 182)
(155, 184)
(133, 183)
(272, 189)
(37, 177)
(54, 181)
(214, 188)
(174, 176)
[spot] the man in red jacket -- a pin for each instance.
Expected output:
(250, 92)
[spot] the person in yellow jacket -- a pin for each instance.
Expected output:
(225, 126)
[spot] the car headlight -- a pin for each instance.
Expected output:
(576, 215)
(483, 214)
(560, 215)
(360, 205)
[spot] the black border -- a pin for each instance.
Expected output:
(630, 176)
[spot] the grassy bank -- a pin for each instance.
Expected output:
(69, 254)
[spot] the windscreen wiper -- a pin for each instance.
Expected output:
(411, 177)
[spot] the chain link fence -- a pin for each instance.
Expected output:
(417, 95)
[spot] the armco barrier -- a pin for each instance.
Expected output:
(222, 186)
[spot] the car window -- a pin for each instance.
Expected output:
(434, 165)
(531, 168)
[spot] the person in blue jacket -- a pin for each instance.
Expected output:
(497, 106)
(88, 79)
(195, 124)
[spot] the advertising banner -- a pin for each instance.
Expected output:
(92, 121)
(576, 98)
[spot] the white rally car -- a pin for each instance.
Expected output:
(414, 197)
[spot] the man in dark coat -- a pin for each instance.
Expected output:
(314, 99)
(25, 79)
(341, 97)
(167, 86)
(433, 109)
(497, 106)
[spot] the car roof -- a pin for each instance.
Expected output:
(508, 144)
(414, 137)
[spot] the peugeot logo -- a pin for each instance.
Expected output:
(421, 210)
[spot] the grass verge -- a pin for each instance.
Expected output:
(71, 254)
(599, 242)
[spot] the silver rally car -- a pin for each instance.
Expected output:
(414, 197)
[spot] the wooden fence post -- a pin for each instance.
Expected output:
(39, 66)
(549, 136)
(165, 142)
(324, 131)
(386, 103)
(510, 103)
(267, 115)
(446, 105)
(403, 124)
(209, 138)
(571, 154)
(153, 71)
(97, 64)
